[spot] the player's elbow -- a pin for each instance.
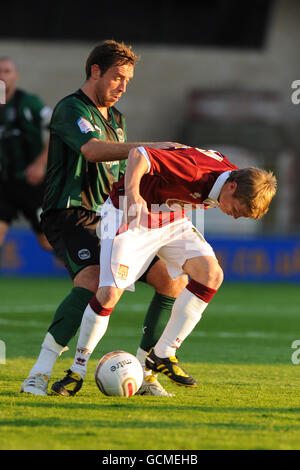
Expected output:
(90, 152)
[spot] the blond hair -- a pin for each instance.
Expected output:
(255, 188)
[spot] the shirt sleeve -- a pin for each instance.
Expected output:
(35, 110)
(73, 123)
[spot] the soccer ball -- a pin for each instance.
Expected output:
(119, 373)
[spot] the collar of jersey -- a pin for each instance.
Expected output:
(110, 120)
(214, 194)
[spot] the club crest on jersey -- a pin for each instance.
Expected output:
(123, 272)
(120, 134)
(196, 195)
(85, 126)
(84, 253)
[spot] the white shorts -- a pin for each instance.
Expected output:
(126, 256)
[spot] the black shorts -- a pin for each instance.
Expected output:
(19, 197)
(73, 237)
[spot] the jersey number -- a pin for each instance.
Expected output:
(212, 154)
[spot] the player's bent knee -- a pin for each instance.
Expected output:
(205, 270)
(218, 277)
(108, 297)
(215, 277)
(212, 279)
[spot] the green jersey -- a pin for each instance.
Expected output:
(22, 122)
(71, 180)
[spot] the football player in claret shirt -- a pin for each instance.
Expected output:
(130, 239)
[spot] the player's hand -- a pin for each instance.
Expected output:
(136, 210)
(35, 173)
(165, 145)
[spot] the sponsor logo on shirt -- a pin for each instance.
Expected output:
(110, 164)
(85, 126)
(123, 272)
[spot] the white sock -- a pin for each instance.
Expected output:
(141, 356)
(92, 329)
(48, 355)
(186, 313)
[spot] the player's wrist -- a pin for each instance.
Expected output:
(132, 190)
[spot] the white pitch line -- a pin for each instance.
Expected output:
(28, 308)
(230, 308)
(22, 324)
(134, 332)
(52, 307)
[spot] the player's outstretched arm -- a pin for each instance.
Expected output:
(105, 151)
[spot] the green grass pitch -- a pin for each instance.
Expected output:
(241, 354)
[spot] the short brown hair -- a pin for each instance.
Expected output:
(255, 188)
(110, 53)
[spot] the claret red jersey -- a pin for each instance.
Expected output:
(183, 175)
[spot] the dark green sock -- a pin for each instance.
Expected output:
(157, 317)
(69, 314)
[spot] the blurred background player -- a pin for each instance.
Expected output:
(132, 238)
(23, 154)
(87, 154)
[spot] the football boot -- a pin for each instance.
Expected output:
(151, 386)
(69, 386)
(171, 368)
(35, 384)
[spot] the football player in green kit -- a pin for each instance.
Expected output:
(23, 153)
(87, 154)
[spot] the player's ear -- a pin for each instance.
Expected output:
(232, 187)
(95, 71)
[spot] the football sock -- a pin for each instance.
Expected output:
(93, 327)
(49, 353)
(141, 356)
(156, 318)
(186, 313)
(64, 326)
(69, 314)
